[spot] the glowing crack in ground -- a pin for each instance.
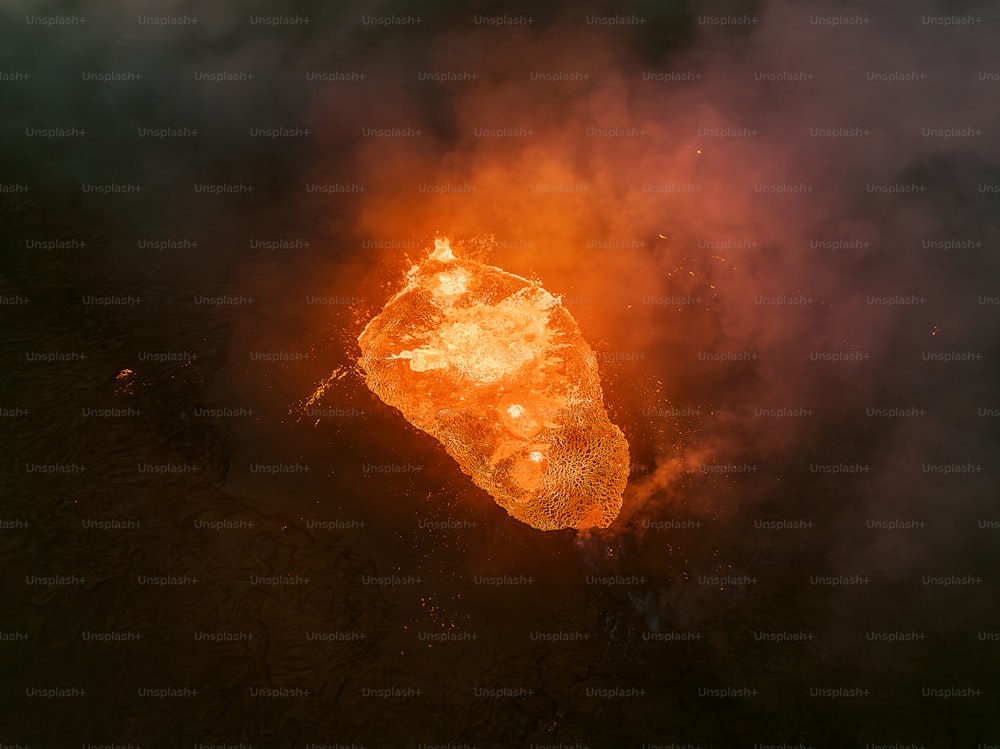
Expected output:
(496, 369)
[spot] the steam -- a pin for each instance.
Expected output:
(750, 171)
(621, 165)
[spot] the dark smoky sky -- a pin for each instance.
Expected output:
(683, 159)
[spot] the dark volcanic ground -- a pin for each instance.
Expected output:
(807, 555)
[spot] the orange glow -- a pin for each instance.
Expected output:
(126, 381)
(496, 369)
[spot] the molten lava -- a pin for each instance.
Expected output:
(496, 369)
